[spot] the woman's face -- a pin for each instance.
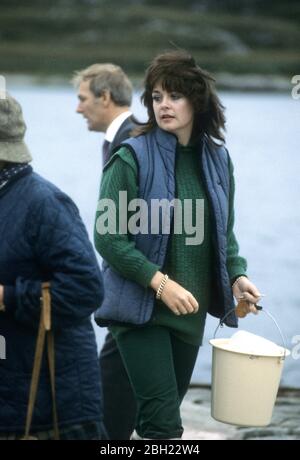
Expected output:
(173, 113)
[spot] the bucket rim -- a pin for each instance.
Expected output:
(222, 344)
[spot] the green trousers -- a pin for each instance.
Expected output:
(159, 367)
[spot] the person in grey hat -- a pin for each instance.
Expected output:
(43, 239)
(12, 131)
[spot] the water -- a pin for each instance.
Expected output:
(263, 140)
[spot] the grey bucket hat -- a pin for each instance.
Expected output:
(12, 130)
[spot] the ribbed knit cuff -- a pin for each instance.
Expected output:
(10, 298)
(232, 280)
(145, 273)
(234, 274)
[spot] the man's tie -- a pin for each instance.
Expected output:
(105, 152)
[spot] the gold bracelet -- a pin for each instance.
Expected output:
(161, 287)
(237, 280)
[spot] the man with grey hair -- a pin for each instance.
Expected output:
(105, 95)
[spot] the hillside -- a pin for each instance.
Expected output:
(58, 36)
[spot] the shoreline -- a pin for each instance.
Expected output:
(224, 82)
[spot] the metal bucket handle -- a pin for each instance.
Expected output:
(258, 307)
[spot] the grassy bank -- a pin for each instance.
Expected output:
(58, 39)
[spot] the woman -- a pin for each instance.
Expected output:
(166, 281)
(43, 239)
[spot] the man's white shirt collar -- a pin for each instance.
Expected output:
(115, 125)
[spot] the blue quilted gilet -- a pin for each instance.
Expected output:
(127, 302)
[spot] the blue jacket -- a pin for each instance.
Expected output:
(43, 238)
(127, 302)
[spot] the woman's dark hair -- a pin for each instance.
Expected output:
(178, 71)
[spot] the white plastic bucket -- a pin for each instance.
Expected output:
(244, 385)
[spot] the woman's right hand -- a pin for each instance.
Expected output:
(179, 300)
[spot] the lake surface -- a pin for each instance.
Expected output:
(264, 142)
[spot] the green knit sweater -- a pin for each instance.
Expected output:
(189, 265)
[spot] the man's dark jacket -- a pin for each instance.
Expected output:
(119, 407)
(123, 133)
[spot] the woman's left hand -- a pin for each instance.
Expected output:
(243, 289)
